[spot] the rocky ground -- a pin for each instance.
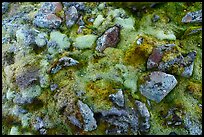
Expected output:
(95, 68)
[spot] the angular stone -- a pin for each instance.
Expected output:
(71, 16)
(144, 114)
(47, 20)
(51, 7)
(158, 85)
(118, 98)
(74, 121)
(192, 17)
(109, 39)
(88, 116)
(157, 54)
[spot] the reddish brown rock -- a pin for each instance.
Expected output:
(109, 39)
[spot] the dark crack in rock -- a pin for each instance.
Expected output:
(109, 39)
(192, 17)
(88, 116)
(158, 85)
(117, 98)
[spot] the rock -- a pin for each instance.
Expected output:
(80, 21)
(41, 39)
(158, 85)
(27, 78)
(192, 17)
(85, 41)
(109, 39)
(157, 54)
(71, 16)
(88, 116)
(177, 63)
(18, 110)
(53, 87)
(51, 7)
(168, 59)
(117, 98)
(47, 20)
(74, 121)
(5, 6)
(25, 36)
(155, 18)
(67, 61)
(139, 41)
(18, 99)
(145, 115)
(78, 5)
(114, 111)
(39, 123)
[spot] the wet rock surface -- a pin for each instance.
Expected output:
(157, 85)
(109, 39)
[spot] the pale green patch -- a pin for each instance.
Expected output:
(97, 22)
(61, 39)
(85, 42)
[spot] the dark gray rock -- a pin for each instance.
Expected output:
(114, 111)
(71, 16)
(158, 85)
(118, 98)
(78, 5)
(145, 115)
(88, 116)
(192, 17)
(109, 39)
